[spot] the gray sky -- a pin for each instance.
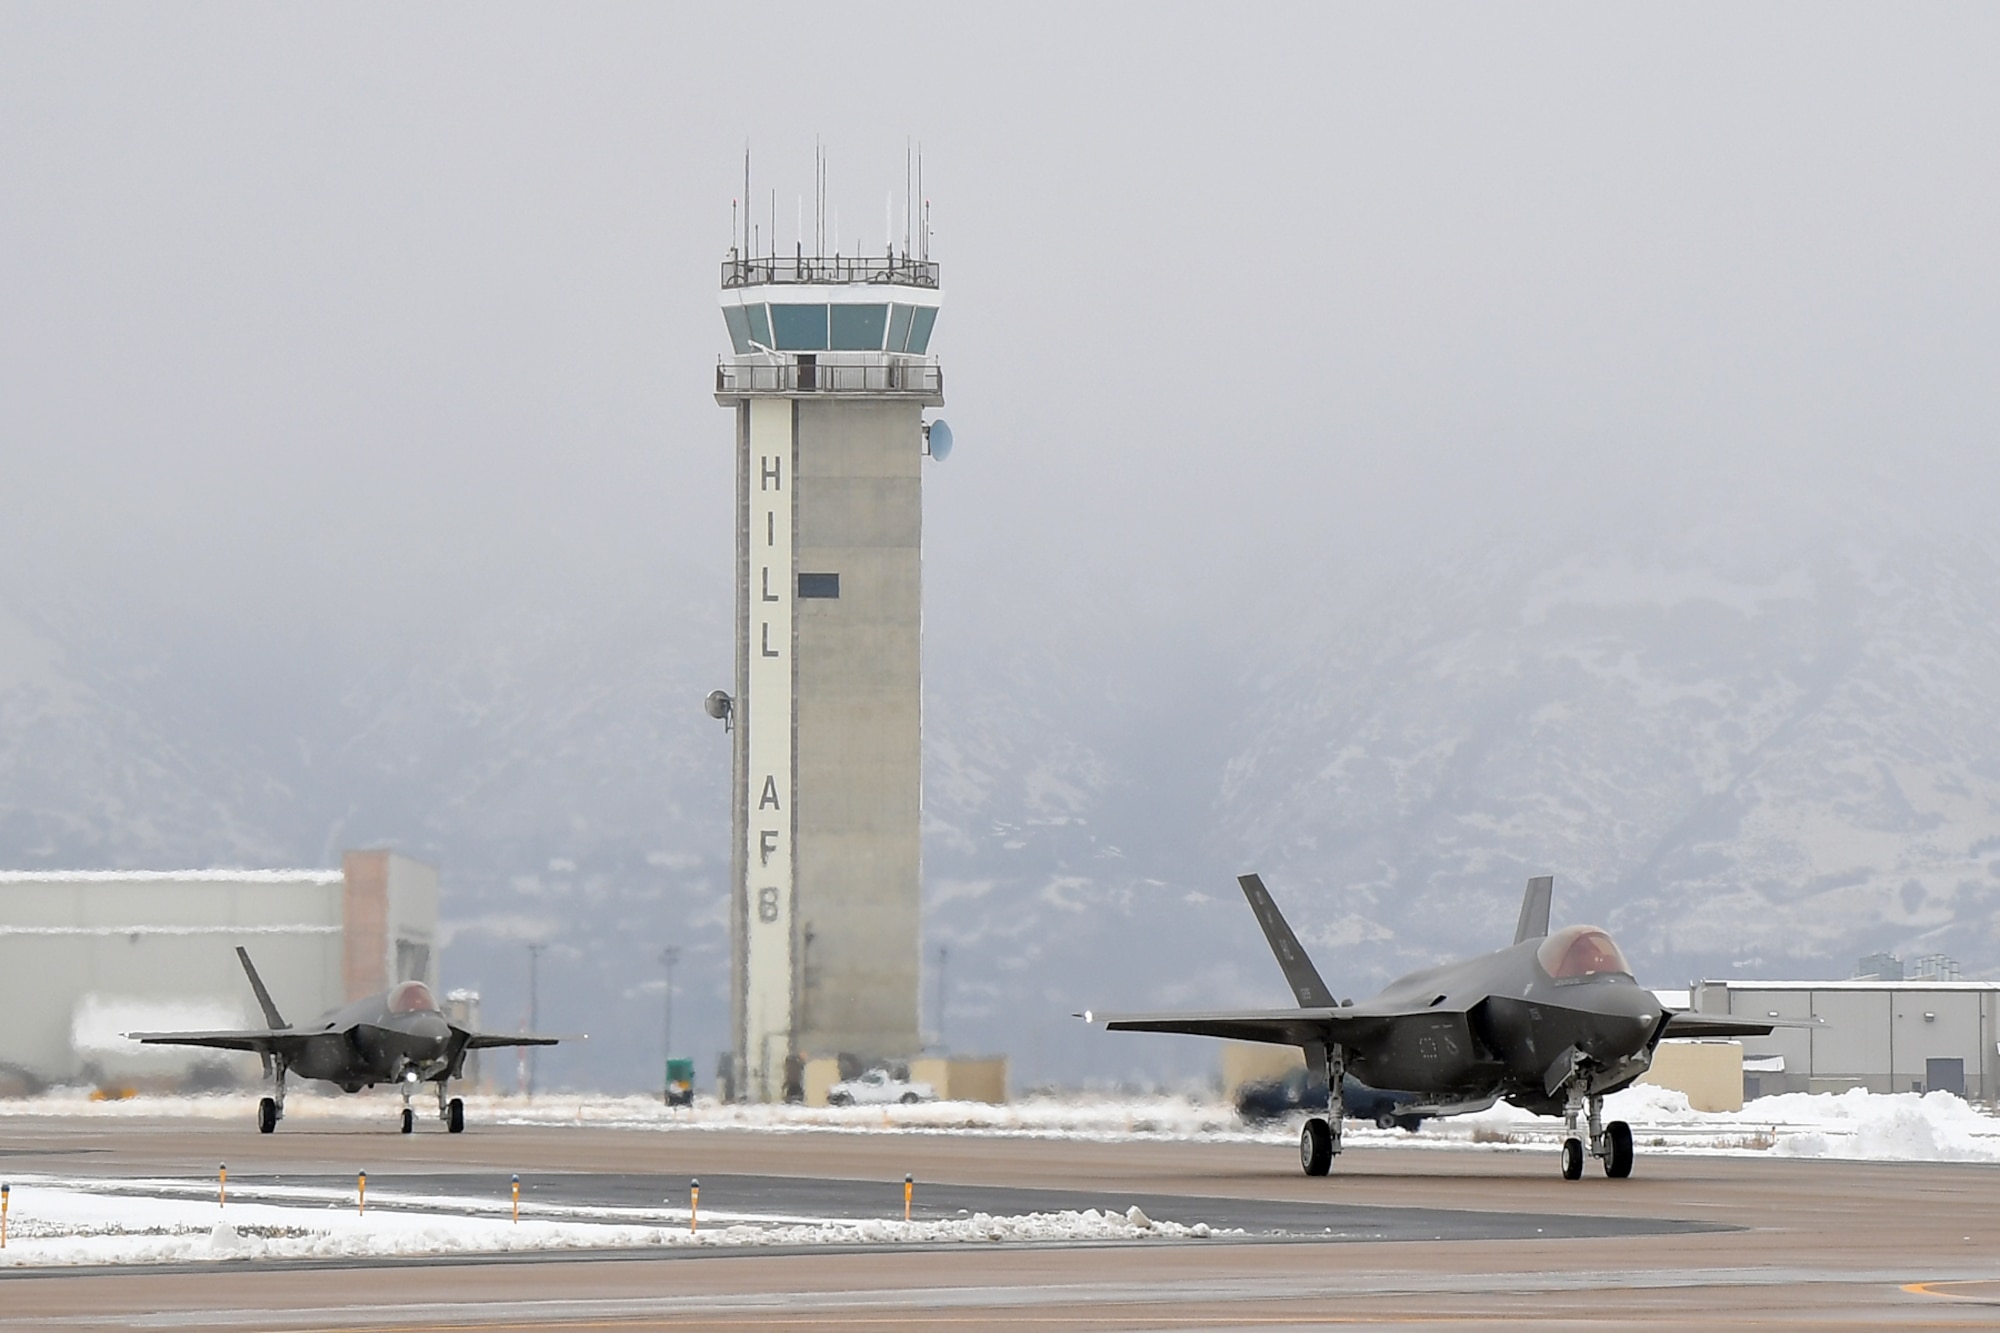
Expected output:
(368, 311)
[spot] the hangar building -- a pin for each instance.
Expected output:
(88, 955)
(1886, 1036)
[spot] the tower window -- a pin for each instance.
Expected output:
(799, 328)
(921, 321)
(899, 327)
(739, 327)
(857, 328)
(819, 585)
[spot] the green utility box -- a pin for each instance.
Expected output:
(680, 1082)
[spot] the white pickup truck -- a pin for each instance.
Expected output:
(878, 1086)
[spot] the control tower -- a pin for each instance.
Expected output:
(828, 375)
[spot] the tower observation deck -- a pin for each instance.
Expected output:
(828, 373)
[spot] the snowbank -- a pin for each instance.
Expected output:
(56, 1222)
(1856, 1125)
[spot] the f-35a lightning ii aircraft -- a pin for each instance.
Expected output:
(396, 1037)
(1551, 1023)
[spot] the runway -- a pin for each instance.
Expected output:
(1397, 1237)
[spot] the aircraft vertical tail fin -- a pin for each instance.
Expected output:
(1534, 922)
(1300, 974)
(271, 1014)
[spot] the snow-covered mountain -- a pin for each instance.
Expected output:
(1746, 748)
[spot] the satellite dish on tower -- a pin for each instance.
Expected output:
(937, 441)
(719, 706)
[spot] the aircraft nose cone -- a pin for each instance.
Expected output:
(429, 1029)
(1629, 1014)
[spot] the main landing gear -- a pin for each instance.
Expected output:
(270, 1110)
(1610, 1144)
(1319, 1141)
(1316, 1147)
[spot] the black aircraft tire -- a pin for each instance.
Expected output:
(409, 1121)
(454, 1116)
(267, 1116)
(1572, 1159)
(1316, 1147)
(1385, 1121)
(1618, 1150)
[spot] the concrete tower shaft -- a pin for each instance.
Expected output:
(828, 375)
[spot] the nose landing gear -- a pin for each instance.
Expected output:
(1610, 1144)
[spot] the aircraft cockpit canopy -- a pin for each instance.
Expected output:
(412, 997)
(1580, 951)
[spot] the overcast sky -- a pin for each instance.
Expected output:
(326, 330)
(332, 313)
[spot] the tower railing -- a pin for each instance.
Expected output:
(828, 270)
(892, 375)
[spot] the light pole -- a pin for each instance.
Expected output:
(534, 1006)
(668, 957)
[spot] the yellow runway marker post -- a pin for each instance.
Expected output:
(909, 1188)
(517, 1199)
(222, 1185)
(5, 1190)
(694, 1204)
(361, 1192)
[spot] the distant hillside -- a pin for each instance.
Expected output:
(1761, 754)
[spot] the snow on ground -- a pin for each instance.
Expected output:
(56, 1222)
(1858, 1125)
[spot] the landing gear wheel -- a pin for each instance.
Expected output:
(1618, 1150)
(1316, 1147)
(1385, 1121)
(267, 1116)
(454, 1116)
(409, 1121)
(1572, 1159)
(909, 1099)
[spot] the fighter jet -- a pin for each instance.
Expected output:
(1552, 1023)
(396, 1037)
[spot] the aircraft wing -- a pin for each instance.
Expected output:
(481, 1041)
(1277, 1027)
(262, 1041)
(1687, 1023)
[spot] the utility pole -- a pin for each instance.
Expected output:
(534, 1006)
(668, 957)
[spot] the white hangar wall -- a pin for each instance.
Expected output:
(1885, 1036)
